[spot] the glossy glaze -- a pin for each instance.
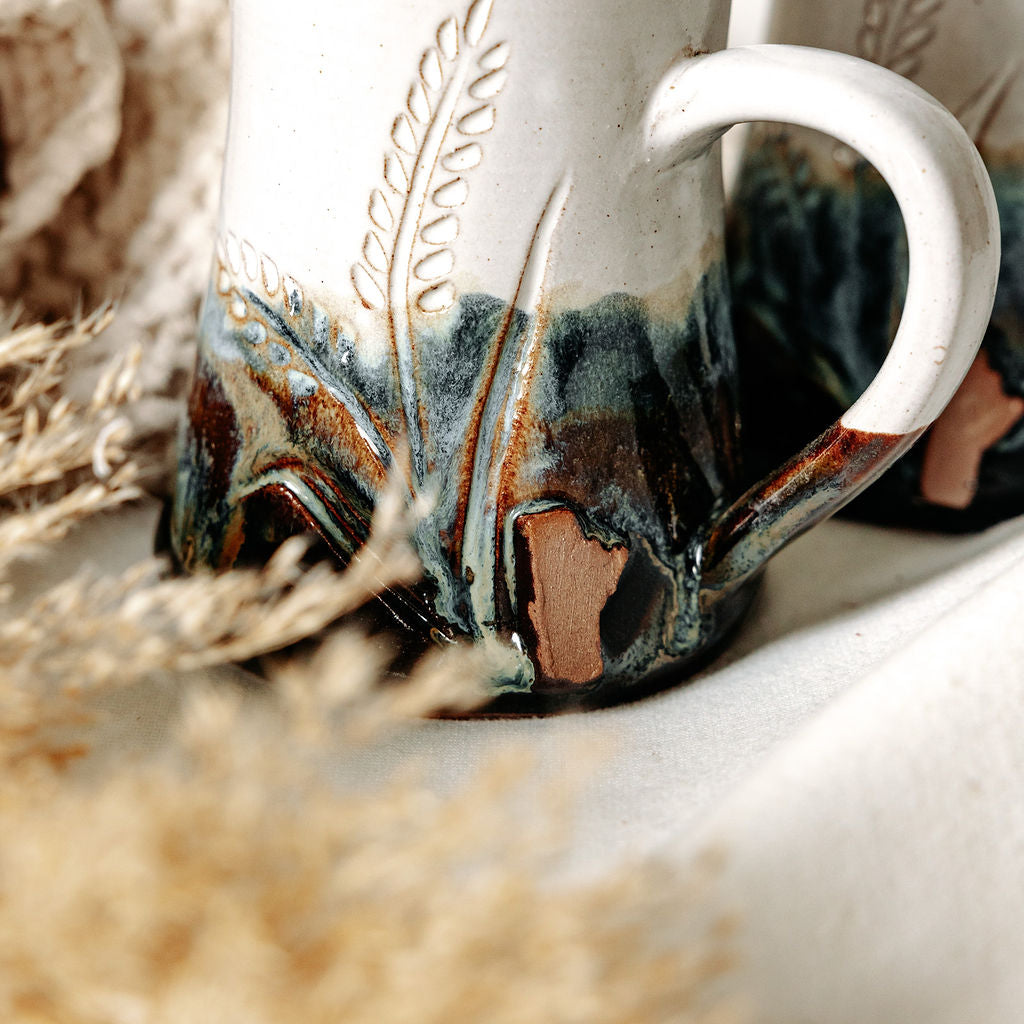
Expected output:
(466, 260)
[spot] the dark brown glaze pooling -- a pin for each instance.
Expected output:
(829, 472)
(571, 456)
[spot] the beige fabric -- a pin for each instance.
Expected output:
(60, 96)
(126, 206)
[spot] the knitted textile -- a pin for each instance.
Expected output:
(113, 122)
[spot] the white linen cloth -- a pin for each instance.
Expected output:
(855, 757)
(877, 858)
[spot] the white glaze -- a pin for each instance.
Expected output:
(927, 159)
(317, 87)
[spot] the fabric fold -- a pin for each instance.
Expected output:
(876, 860)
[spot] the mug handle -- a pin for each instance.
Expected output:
(952, 226)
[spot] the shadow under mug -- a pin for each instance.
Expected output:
(501, 289)
(818, 260)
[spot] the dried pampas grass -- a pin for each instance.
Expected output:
(57, 458)
(231, 881)
(229, 874)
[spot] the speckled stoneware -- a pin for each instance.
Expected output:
(819, 261)
(476, 252)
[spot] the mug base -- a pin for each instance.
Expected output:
(676, 673)
(377, 618)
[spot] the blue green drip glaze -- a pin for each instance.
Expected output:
(626, 420)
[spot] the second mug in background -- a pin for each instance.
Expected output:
(819, 261)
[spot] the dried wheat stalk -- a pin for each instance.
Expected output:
(91, 633)
(52, 450)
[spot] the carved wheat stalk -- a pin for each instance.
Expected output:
(502, 409)
(370, 430)
(407, 257)
(240, 258)
(979, 111)
(895, 33)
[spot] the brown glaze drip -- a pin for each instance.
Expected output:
(213, 419)
(810, 487)
(351, 522)
(980, 414)
(570, 581)
(473, 429)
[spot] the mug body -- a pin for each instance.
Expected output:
(819, 263)
(447, 267)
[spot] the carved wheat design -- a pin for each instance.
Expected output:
(407, 257)
(979, 111)
(491, 441)
(260, 324)
(895, 33)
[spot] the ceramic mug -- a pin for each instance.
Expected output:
(480, 249)
(819, 262)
